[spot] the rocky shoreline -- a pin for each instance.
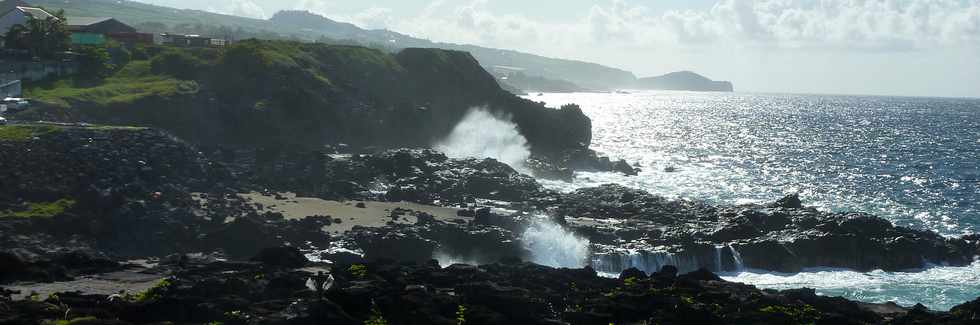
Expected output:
(78, 202)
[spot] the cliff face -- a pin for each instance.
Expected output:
(684, 80)
(288, 93)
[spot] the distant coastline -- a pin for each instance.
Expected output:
(684, 80)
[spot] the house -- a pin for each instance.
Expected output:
(98, 25)
(8, 5)
(189, 40)
(132, 38)
(219, 42)
(98, 30)
(20, 15)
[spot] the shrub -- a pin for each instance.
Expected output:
(460, 315)
(41, 209)
(358, 271)
(139, 53)
(804, 314)
(118, 54)
(631, 281)
(376, 317)
(178, 64)
(154, 293)
(94, 62)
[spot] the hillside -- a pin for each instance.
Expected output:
(684, 80)
(310, 27)
(525, 84)
(274, 93)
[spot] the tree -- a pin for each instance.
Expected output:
(93, 62)
(44, 38)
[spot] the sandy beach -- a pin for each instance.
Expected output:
(351, 213)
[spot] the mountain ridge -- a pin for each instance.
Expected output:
(684, 80)
(308, 26)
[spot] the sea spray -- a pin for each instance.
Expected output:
(552, 245)
(718, 265)
(481, 134)
(614, 262)
(739, 265)
(445, 260)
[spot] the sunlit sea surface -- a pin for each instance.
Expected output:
(914, 161)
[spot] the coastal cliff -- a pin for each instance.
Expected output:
(273, 93)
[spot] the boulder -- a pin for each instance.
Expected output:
(632, 273)
(791, 201)
(282, 257)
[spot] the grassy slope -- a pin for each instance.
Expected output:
(130, 83)
(20, 133)
(282, 88)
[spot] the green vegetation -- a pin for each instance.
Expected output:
(178, 64)
(94, 63)
(25, 132)
(310, 27)
(687, 300)
(154, 293)
(630, 281)
(376, 317)
(41, 209)
(804, 314)
(276, 74)
(44, 38)
(460, 315)
(236, 317)
(131, 83)
(358, 271)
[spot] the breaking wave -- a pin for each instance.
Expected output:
(552, 245)
(481, 134)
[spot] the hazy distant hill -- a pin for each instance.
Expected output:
(683, 80)
(306, 26)
(525, 84)
(585, 74)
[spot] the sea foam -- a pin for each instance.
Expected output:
(482, 134)
(552, 245)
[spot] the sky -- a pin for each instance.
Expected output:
(874, 47)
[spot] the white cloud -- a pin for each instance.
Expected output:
(322, 7)
(373, 18)
(769, 45)
(877, 25)
(841, 46)
(244, 8)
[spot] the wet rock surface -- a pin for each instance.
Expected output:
(783, 236)
(424, 293)
(133, 193)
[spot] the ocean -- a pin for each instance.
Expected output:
(913, 161)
